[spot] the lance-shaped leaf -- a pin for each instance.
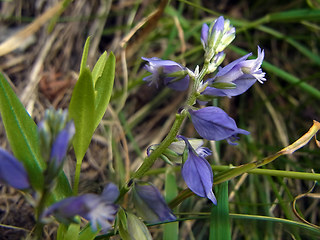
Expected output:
(103, 78)
(21, 132)
(81, 111)
(83, 64)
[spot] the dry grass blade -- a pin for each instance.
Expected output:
(16, 40)
(294, 204)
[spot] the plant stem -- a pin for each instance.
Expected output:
(39, 210)
(76, 178)
(148, 161)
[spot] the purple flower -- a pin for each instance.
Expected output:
(171, 73)
(150, 204)
(213, 123)
(60, 145)
(241, 72)
(99, 210)
(197, 173)
(12, 172)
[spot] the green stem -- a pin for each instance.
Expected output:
(39, 210)
(148, 161)
(77, 178)
(266, 172)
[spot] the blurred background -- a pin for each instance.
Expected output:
(41, 45)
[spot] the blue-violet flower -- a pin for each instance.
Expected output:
(60, 145)
(99, 210)
(12, 171)
(150, 204)
(171, 73)
(213, 123)
(197, 172)
(241, 72)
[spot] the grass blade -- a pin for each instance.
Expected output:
(171, 230)
(219, 220)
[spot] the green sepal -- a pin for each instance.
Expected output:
(122, 225)
(223, 85)
(164, 158)
(131, 227)
(185, 154)
(137, 229)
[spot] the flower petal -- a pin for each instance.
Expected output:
(213, 123)
(150, 204)
(197, 173)
(12, 172)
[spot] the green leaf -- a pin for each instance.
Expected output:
(85, 55)
(62, 188)
(70, 232)
(99, 67)
(81, 110)
(103, 86)
(22, 133)
(87, 233)
(219, 220)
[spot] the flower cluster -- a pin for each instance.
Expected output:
(55, 134)
(211, 123)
